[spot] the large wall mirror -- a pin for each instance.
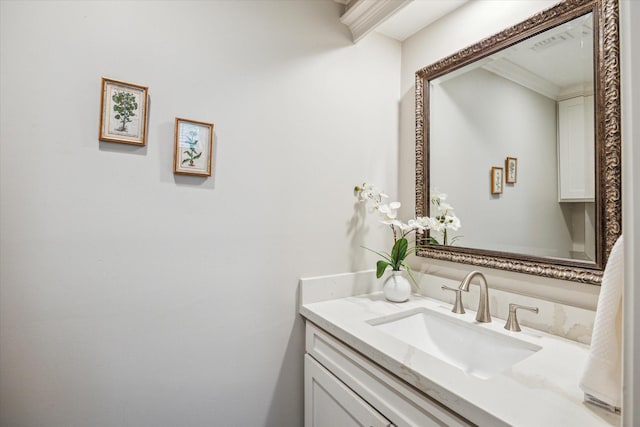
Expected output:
(521, 131)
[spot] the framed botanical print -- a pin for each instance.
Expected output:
(511, 166)
(193, 147)
(123, 112)
(496, 180)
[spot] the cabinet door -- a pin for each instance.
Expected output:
(576, 179)
(330, 403)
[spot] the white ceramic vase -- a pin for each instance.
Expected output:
(396, 288)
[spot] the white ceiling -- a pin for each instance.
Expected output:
(563, 56)
(557, 63)
(415, 16)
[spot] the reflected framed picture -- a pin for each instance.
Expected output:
(496, 180)
(193, 146)
(123, 112)
(511, 167)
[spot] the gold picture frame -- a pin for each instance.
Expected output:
(123, 112)
(192, 154)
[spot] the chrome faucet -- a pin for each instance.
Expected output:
(483, 314)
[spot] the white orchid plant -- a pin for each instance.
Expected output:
(443, 221)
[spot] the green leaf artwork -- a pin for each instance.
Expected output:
(192, 153)
(124, 105)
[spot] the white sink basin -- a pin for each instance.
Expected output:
(477, 351)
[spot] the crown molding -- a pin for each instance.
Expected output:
(363, 16)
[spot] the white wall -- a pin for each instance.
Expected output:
(479, 19)
(630, 66)
(466, 142)
(133, 297)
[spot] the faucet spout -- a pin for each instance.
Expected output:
(483, 315)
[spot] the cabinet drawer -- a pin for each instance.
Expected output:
(396, 400)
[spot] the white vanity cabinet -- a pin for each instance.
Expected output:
(330, 403)
(576, 180)
(344, 388)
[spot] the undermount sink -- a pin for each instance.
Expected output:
(477, 351)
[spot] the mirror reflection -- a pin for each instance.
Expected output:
(511, 143)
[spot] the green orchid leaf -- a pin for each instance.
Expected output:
(394, 252)
(399, 251)
(412, 250)
(454, 240)
(381, 266)
(410, 273)
(382, 254)
(185, 161)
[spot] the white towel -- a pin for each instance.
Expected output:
(602, 377)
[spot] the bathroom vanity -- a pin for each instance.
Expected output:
(341, 384)
(369, 362)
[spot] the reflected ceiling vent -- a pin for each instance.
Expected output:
(551, 41)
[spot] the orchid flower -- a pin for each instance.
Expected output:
(390, 211)
(440, 223)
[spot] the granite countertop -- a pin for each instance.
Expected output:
(541, 390)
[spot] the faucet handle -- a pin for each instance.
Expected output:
(457, 307)
(512, 321)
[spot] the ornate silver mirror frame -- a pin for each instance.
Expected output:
(607, 145)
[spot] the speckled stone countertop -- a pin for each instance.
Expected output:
(541, 390)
